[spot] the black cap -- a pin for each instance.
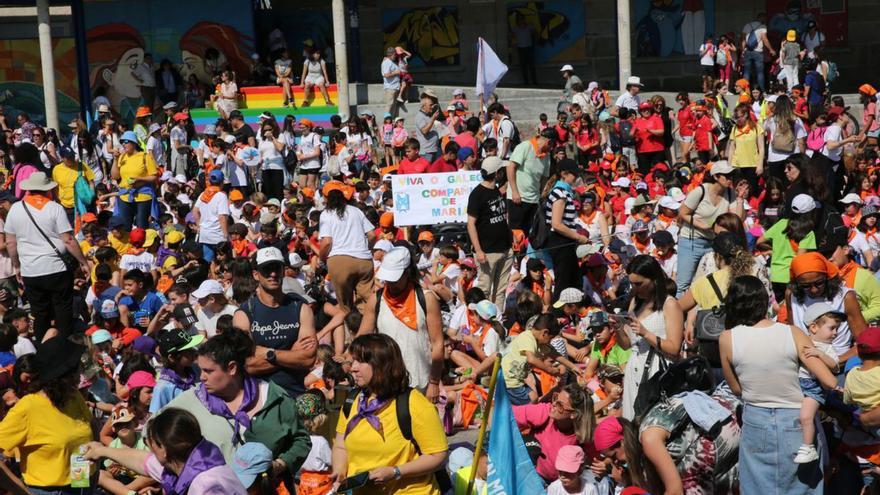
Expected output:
(567, 165)
(662, 238)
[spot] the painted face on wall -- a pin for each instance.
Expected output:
(122, 81)
(204, 69)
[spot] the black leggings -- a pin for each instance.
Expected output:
(648, 160)
(563, 252)
(273, 183)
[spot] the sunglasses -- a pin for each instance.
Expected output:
(270, 268)
(560, 406)
(818, 284)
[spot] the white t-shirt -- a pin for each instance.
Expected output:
(207, 319)
(492, 342)
(348, 233)
(209, 222)
(501, 131)
(861, 244)
(759, 29)
(709, 57)
(359, 144)
(811, 42)
(320, 457)
(23, 346)
(6, 268)
(236, 175)
(34, 253)
(143, 262)
(628, 100)
(799, 133)
(272, 159)
(833, 133)
(588, 487)
(826, 349)
(308, 144)
(157, 149)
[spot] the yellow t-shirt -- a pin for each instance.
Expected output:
(114, 267)
(745, 155)
(702, 291)
(862, 388)
(120, 245)
(367, 449)
(514, 364)
(66, 177)
(46, 437)
(139, 164)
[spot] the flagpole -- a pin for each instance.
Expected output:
(486, 413)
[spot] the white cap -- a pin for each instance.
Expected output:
(771, 98)
(628, 204)
(569, 296)
(803, 203)
(295, 260)
(622, 182)
(394, 264)
(676, 194)
(566, 67)
(815, 310)
(593, 85)
(852, 198)
(457, 91)
(274, 202)
(387, 177)
(180, 178)
(721, 167)
(383, 245)
(634, 81)
(668, 202)
(166, 176)
(492, 164)
(585, 250)
(269, 255)
(208, 287)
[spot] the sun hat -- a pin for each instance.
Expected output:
(867, 90)
(207, 288)
(634, 81)
(492, 164)
(721, 167)
(100, 336)
(250, 461)
(394, 264)
(868, 210)
(852, 198)
(174, 237)
(567, 67)
(178, 340)
(569, 459)
(607, 434)
(153, 128)
(429, 93)
(383, 245)
(569, 296)
(269, 255)
(791, 35)
(56, 357)
(121, 413)
(593, 85)
(152, 235)
(38, 181)
(598, 319)
(819, 309)
(803, 203)
(180, 116)
(143, 112)
(130, 137)
(485, 308)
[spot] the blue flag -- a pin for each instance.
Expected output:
(511, 471)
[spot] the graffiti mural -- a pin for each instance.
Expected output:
(21, 78)
(831, 17)
(430, 34)
(558, 27)
(667, 27)
(220, 35)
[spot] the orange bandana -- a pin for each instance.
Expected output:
(812, 263)
(209, 193)
(37, 200)
(534, 142)
(848, 274)
(608, 345)
(403, 307)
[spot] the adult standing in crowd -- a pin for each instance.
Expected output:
(745, 148)
(136, 172)
(411, 317)
(345, 237)
(570, 80)
(753, 44)
(560, 214)
(787, 137)
(760, 359)
(38, 236)
(648, 131)
(390, 81)
(282, 325)
(429, 140)
(629, 99)
(500, 128)
(527, 170)
(211, 213)
(524, 38)
(489, 231)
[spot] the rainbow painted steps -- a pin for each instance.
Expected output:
(258, 99)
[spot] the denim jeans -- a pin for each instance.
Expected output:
(137, 213)
(690, 251)
(769, 442)
(756, 58)
(208, 251)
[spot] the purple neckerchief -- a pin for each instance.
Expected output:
(171, 376)
(217, 406)
(203, 457)
(163, 254)
(367, 410)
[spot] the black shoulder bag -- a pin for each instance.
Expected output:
(710, 322)
(69, 261)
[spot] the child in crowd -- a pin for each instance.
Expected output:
(114, 478)
(406, 79)
(178, 351)
(822, 322)
(863, 381)
(522, 355)
(315, 473)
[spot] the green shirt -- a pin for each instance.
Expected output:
(514, 363)
(783, 252)
(617, 356)
(868, 291)
(530, 172)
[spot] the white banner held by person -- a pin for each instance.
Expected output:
(430, 199)
(490, 69)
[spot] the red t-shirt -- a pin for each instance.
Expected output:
(586, 136)
(703, 134)
(467, 140)
(685, 122)
(563, 135)
(417, 167)
(645, 141)
(441, 165)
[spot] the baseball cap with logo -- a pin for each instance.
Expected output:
(250, 461)
(109, 309)
(121, 414)
(269, 255)
(178, 340)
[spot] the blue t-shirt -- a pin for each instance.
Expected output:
(7, 359)
(817, 87)
(163, 393)
(148, 306)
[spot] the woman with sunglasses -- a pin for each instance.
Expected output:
(135, 171)
(815, 279)
(48, 150)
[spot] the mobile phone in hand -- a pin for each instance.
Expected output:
(353, 482)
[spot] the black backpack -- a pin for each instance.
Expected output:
(693, 373)
(515, 138)
(404, 422)
(830, 231)
(626, 135)
(709, 325)
(420, 297)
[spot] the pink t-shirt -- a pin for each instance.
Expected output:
(23, 171)
(467, 140)
(871, 110)
(220, 480)
(536, 418)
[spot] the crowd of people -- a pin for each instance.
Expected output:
(680, 300)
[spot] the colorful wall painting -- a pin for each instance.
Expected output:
(831, 16)
(558, 26)
(21, 79)
(431, 34)
(672, 27)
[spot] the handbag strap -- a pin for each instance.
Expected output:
(28, 211)
(715, 287)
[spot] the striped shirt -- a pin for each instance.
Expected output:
(570, 213)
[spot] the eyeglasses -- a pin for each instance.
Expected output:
(560, 406)
(818, 284)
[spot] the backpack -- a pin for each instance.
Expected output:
(721, 57)
(816, 139)
(709, 325)
(420, 297)
(539, 230)
(81, 188)
(693, 373)
(752, 40)
(404, 423)
(515, 138)
(833, 73)
(626, 135)
(783, 137)
(830, 230)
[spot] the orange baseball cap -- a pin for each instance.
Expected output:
(306, 123)
(387, 219)
(89, 218)
(426, 235)
(308, 192)
(333, 185)
(236, 195)
(143, 112)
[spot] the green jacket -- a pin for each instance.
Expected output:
(276, 426)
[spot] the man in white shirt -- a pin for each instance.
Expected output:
(211, 213)
(147, 78)
(500, 128)
(629, 99)
(753, 43)
(390, 81)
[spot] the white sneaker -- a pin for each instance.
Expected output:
(806, 454)
(400, 99)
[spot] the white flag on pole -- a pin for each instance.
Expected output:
(490, 69)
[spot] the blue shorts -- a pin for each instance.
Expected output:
(811, 388)
(520, 395)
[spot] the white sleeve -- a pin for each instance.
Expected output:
(491, 344)
(222, 204)
(365, 223)
(62, 225)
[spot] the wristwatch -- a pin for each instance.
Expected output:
(271, 357)
(396, 473)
